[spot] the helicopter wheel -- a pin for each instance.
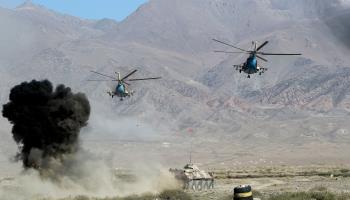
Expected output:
(260, 73)
(121, 99)
(240, 71)
(248, 76)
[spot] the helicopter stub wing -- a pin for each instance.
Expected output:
(262, 69)
(238, 67)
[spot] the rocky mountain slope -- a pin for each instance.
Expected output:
(199, 89)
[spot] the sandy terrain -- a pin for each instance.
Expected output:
(290, 180)
(264, 180)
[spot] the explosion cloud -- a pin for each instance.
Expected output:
(46, 122)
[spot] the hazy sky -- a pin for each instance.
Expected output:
(89, 9)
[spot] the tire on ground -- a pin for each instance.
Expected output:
(243, 192)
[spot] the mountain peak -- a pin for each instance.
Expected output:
(28, 5)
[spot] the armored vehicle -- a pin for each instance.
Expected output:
(194, 178)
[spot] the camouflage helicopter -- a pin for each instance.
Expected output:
(251, 65)
(121, 90)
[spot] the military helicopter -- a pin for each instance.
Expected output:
(251, 65)
(121, 89)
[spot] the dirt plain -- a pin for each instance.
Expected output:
(267, 181)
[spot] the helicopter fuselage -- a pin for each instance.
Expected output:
(120, 91)
(251, 65)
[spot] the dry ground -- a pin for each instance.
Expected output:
(266, 181)
(272, 180)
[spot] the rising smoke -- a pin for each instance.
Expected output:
(46, 122)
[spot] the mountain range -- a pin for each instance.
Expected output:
(300, 99)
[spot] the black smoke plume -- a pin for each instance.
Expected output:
(46, 122)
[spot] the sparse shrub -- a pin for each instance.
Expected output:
(81, 198)
(257, 194)
(323, 195)
(312, 195)
(343, 196)
(319, 189)
(290, 196)
(344, 171)
(268, 170)
(142, 197)
(174, 195)
(227, 197)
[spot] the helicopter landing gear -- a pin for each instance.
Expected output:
(248, 76)
(240, 71)
(110, 94)
(121, 99)
(260, 73)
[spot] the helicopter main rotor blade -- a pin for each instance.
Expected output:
(230, 45)
(102, 80)
(144, 79)
(126, 83)
(261, 46)
(261, 58)
(131, 73)
(279, 54)
(230, 52)
(103, 75)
